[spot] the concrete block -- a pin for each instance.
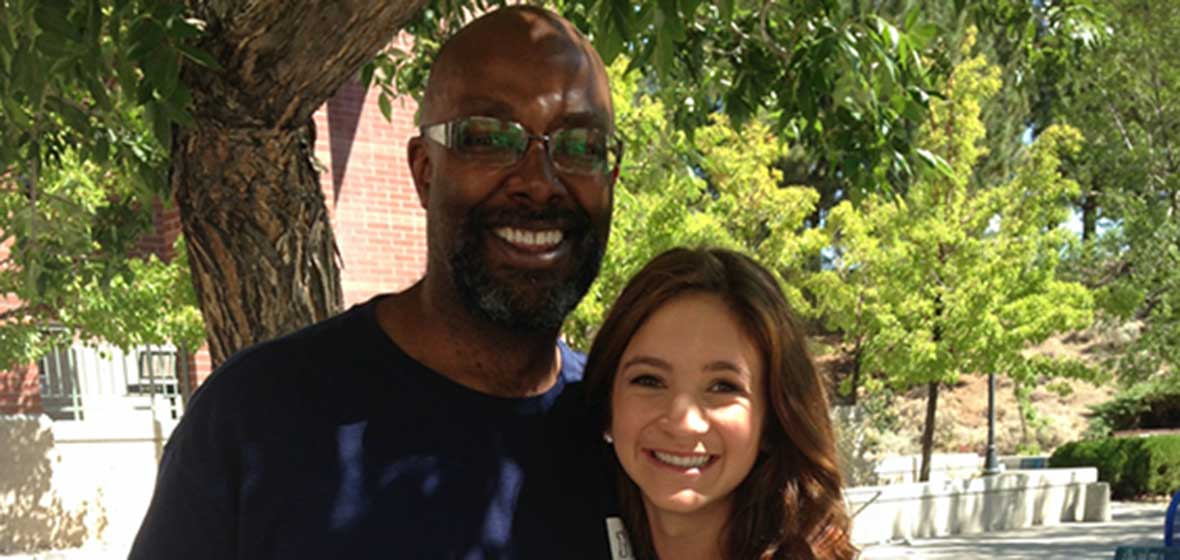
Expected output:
(1009, 500)
(1097, 502)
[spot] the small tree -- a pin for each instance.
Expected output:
(953, 278)
(70, 237)
(719, 189)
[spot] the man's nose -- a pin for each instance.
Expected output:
(686, 415)
(535, 178)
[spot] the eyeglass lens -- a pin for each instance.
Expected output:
(573, 150)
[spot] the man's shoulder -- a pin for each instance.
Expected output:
(318, 349)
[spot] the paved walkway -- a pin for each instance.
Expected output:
(1133, 524)
(1139, 524)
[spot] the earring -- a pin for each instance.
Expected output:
(607, 438)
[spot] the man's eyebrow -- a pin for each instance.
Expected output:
(643, 360)
(594, 119)
(485, 107)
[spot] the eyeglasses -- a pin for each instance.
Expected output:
(578, 151)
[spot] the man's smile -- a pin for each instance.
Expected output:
(530, 240)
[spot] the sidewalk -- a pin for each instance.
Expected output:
(1132, 523)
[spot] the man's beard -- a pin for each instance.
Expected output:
(524, 301)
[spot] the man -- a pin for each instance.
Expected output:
(427, 423)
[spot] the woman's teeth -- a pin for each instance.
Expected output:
(684, 462)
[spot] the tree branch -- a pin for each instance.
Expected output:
(278, 69)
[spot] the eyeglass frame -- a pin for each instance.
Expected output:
(442, 134)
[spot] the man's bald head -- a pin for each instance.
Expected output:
(528, 36)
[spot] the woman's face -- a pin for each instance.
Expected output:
(687, 405)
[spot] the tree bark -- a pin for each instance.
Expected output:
(260, 245)
(928, 431)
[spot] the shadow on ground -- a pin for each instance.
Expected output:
(1131, 525)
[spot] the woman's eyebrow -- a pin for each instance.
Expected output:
(726, 365)
(643, 360)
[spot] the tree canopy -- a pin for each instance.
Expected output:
(899, 185)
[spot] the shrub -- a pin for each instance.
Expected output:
(1133, 466)
(1146, 405)
(1162, 468)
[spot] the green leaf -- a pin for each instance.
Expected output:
(162, 69)
(911, 17)
(199, 56)
(53, 17)
(143, 92)
(99, 93)
(367, 73)
(54, 46)
(384, 104)
(74, 117)
(15, 112)
(102, 149)
(181, 29)
(26, 72)
(93, 23)
(889, 33)
(146, 36)
(726, 9)
(161, 124)
(935, 162)
(175, 112)
(921, 35)
(127, 76)
(611, 30)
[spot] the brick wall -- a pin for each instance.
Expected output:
(380, 226)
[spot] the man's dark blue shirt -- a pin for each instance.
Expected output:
(333, 443)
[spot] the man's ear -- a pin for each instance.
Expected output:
(420, 168)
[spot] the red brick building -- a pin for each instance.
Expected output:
(380, 227)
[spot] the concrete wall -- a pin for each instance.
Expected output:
(1010, 500)
(903, 469)
(69, 484)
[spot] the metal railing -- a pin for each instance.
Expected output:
(82, 382)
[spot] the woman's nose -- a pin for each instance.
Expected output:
(685, 414)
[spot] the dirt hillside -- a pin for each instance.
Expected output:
(1060, 406)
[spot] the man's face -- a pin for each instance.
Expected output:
(521, 242)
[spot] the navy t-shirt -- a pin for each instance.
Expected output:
(333, 443)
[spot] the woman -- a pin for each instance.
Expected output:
(703, 387)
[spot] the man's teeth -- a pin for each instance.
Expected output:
(682, 461)
(544, 238)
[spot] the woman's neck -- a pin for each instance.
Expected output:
(688, 536)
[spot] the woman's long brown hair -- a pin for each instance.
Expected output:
(790, 505)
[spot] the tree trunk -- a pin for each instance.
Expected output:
(1090, 213)
(259, 241)
(857, 358)
(260, 244)
(928, 431)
